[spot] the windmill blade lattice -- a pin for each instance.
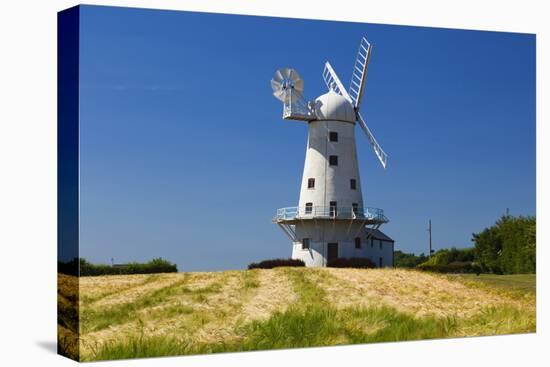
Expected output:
(333, 82)
(382, 156)
(359, 74)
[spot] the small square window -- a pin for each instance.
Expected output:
(309, 208)
(333, 136)
(305, 244)
(333, 209)
(333, 160)
(310, 183)
(353, 184)
(357, 242)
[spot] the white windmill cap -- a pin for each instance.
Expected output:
(333, 106)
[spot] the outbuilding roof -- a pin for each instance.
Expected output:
(379, 235)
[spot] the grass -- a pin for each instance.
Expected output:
(295, 308)
(67, 316)
(313, 321)
(89, 299)
(320, 327)
(524, 283)
(95, 319)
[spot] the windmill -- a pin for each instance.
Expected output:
(330, 221)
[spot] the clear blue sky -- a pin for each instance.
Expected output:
(184, 154)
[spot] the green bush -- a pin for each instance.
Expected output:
(457, 267)
(270, 264)
(154, 266)
(451, 261)
(404, 260)
(508, 247)
(447, 256)
(354, 262)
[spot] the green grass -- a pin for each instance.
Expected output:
(321, 327)
(250, 279)
(94, 320)
(311, 320)
(86, 300)
(525, 283)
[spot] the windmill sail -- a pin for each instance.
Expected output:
(359, 74)
(382, 156)
(333, 82)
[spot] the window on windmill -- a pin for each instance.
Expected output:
(311, 183)
(353, 184)
(333, 160)
(309, 208)
(354, 208)
(305, 244)
(357, 242)
(333, 209)
(333, 136)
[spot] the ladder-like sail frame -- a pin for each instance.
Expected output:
(333, 83)
(359, 75)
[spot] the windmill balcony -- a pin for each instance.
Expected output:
(300, 213)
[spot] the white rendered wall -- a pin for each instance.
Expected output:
(330, 230)
(316, 255)
(332, 183)
(374, 252)
(322, 232)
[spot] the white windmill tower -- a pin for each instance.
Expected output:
(330, 220)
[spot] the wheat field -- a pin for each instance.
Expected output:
(188, 313)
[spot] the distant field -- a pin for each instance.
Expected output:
(188, 313)
(516, 282)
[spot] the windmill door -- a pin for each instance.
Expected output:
(332, 251)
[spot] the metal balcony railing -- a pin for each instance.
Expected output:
(330, 212)
(297, 108)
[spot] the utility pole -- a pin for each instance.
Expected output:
(430, 236)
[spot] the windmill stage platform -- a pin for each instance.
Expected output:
(295, 214)
(288, 218)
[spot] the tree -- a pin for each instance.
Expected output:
(404, 260)
(508, 247)
(488, 248)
